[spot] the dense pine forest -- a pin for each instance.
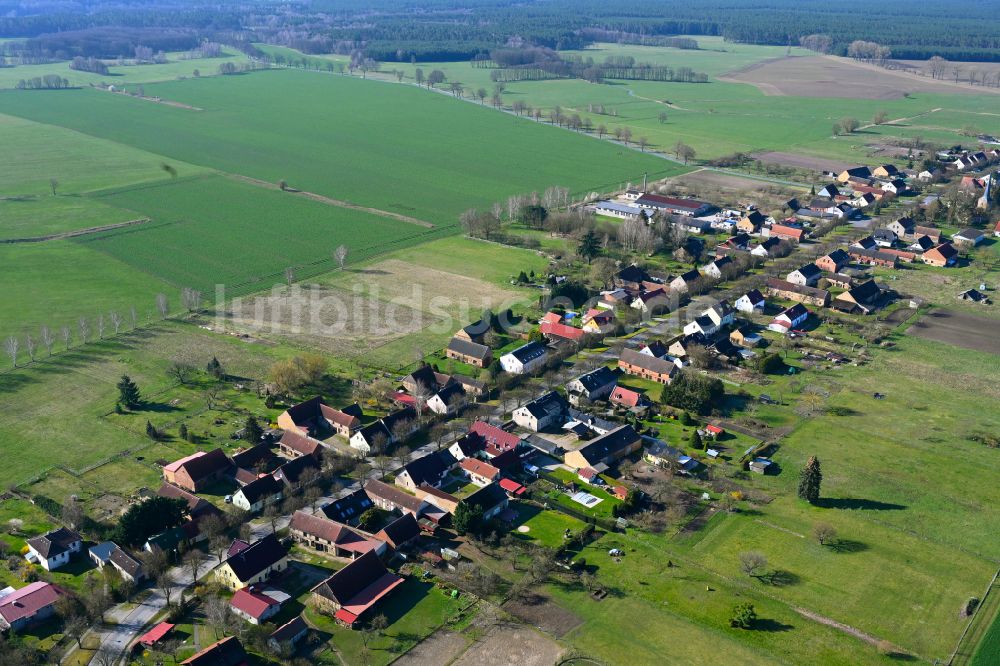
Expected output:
(435, 30)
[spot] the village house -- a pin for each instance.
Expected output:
(929, 174)
(253, 564)
(745, 337)
(197, 508)
(440, 504)
(789, 319)
(492, 499)
(830, 191)
(655, 300)
(752, 222)
(648, 367)
(901, 255)
(931, 232)
(430, 469)
(348, 509)
(721, 313)
(332, 538)
(680, 345)
(864, 200)
(292, 472)
(673, 206)
(471, 353)
(701, 325)
(373, 437)
(631, 277)
(227, 652)
(885, 171)
(128, 568)
(524, 359)
(837, 280)
(448, 400)
(862, 298)
(793, 292)
(717, 269)
(785, 232)
(594, 385)
(941, 256)
(312, 418)
(474, 332)
(975, 296)
(400, 533)
(625, 397)
(391, 498)
(661, 454)
(766, 248)
(751, 302)
(969, 237)
(921, 244)
(552, 326)
(547, 411)
(904, 227)
(54, 549)
(598, 322)
(293, 445)
(255, 605)
(685, 281)
(426, 380)
(33, 603)
(258, 495)
(874, 257)
(498, 440)
(479, 472)
(605, 449)
(884, 238)
(354, 590)
(806, 276)
(288, 635)
(896, 187)
(854, 172)
(469, 444)
(834, 261)
(198, 470)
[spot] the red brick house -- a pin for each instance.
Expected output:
(198, 471)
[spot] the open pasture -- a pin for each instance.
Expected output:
(41, 216)
(395, 148)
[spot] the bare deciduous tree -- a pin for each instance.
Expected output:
(289, 275)
(133, 316)
(30, 346)
(84, 327)
(191, 299)
(12, 346)
(67, 335)
(100, 326)
(45, 334)
(340, 254)
(753, 563)
(162, 305)
(116, 321)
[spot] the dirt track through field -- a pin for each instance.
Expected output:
(333, 202)
(78, 232)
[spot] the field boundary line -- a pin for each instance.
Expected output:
(332, 202)
(78, 232)
(958, 656)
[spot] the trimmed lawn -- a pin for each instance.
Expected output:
(546, 528)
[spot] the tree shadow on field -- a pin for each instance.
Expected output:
(771, 625)
(368, 271)
(847, 546)
(780, 578)
(855, 503)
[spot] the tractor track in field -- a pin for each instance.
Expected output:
(333, 202)
(78, 232)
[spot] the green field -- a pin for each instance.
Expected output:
(216, 230)
(719, 118)
(429, 157)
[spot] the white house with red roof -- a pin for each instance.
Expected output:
(479, 472)
(31, 604)
(789, 319)
(256, 604)
(626, 397)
